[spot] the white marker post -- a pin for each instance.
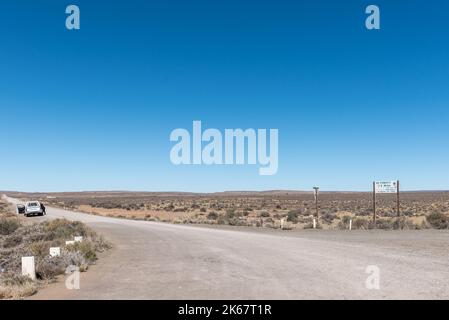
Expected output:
(282, 223)
(28, 267)
(55, 252)
(314, 223)
(350, 224)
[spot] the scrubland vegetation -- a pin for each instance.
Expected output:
(419, 210)
(21, 237)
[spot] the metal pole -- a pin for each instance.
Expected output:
(374, 203)
(397, 200)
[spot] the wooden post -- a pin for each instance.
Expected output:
(397, 200)
(374, 203)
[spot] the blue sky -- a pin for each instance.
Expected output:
(93, 109)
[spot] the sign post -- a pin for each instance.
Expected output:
(386, 187)
(398, 205)
(315, 193)
(374, 203)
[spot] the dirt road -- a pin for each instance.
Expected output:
(163, 261)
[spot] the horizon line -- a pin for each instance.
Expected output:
(217, 192)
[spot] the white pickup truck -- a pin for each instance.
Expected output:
(34, 208)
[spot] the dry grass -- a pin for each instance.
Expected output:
(18, 291)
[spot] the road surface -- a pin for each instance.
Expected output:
(153, 260)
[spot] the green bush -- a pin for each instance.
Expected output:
(345, 219)
(230, 213)
(438, 220)
(8, 226)
(64, 229)
(361, 223)
(264, 214)
(384, 224)
(328, 217)
(86, 248)
(212, 215)
(292, 216)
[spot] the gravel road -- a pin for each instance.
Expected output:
(152, 260)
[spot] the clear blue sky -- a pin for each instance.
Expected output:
(93, 109)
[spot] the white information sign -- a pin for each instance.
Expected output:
(386, 186)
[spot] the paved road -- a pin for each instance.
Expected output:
(163, 261)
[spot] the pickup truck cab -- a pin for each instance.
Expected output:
(34, 208)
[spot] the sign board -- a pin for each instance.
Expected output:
(315, 192)
(28, 267)
(55, 252)
(386, 186)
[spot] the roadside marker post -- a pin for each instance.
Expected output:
(282, 224)
(28, 267)
(398, 206)
(55, 252)
(315, 194)
(350, 224)
(314, 223)
(374, 203)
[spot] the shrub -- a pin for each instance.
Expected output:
(236, 222)
(328, 217)
(86, 248)
(212, 215)
(404, 223)
(345, 219)
(48, 268)
(264, 214)
(16, 287)
(230, 213)
(64, 229)
(310, 226)
(384, 224)
(361, 223)
(292, 216)
(8, 226)
(438, 220)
